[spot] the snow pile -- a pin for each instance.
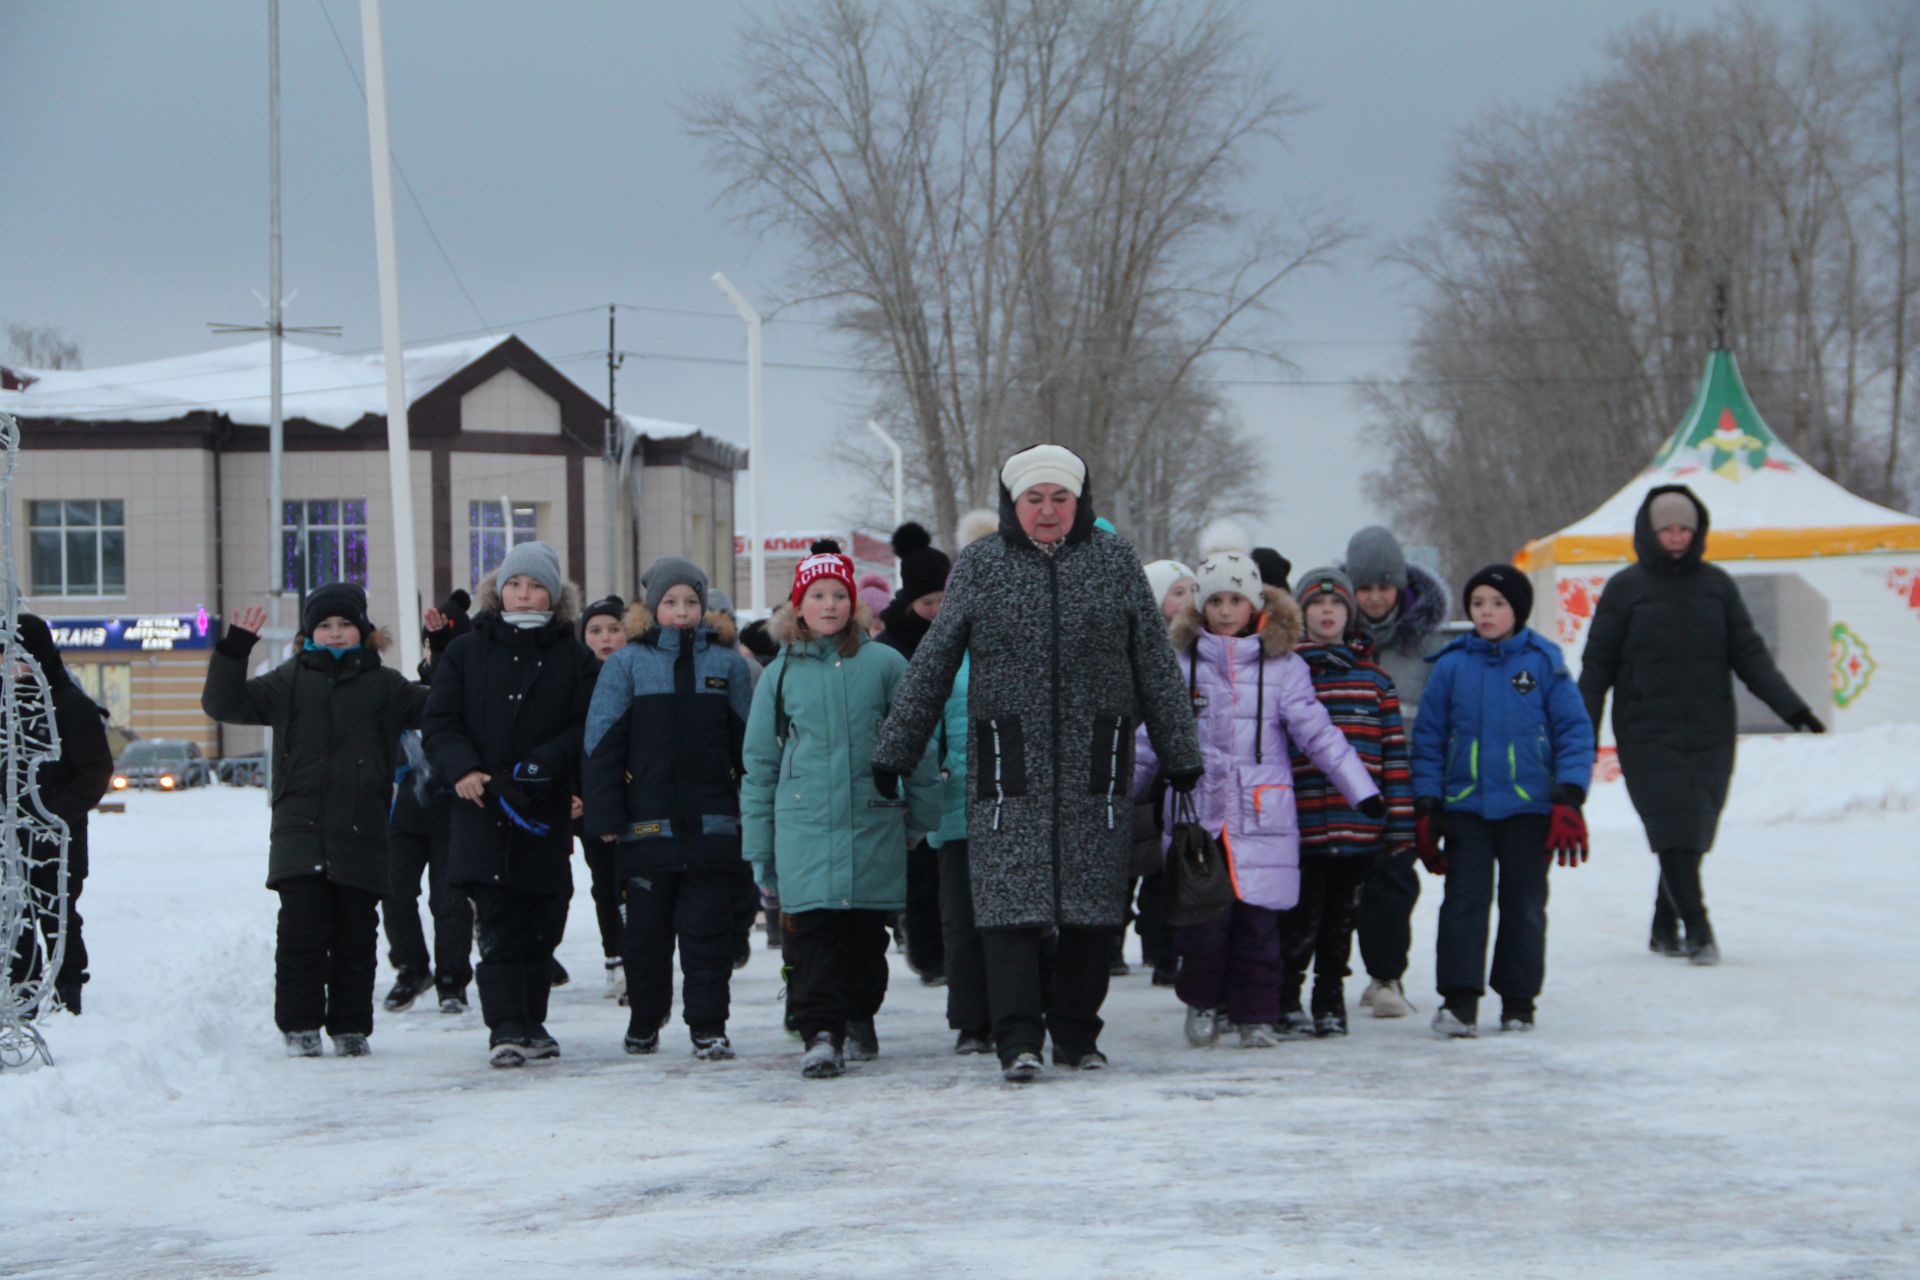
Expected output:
(1811, 777)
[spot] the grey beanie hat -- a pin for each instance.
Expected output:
(669, 572)
(1374, 558)
(1673, 508)
(535, 560)
(719, 601)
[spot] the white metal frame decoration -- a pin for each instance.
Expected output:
(33, 842)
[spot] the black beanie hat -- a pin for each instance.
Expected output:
(455, 610)
(1275, 569)
(923, 570)
(336, 600)
(608, 606)
(1509, 582)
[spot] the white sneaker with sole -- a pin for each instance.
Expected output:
(1203, 1027)
(1450, 1027)
(616, 982)
(1257, 1035)
(1386, 999)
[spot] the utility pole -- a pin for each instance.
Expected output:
(616, 445)
(756, 462)
(399, 459)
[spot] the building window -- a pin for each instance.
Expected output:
(324, 540)
(487, 533)
(79, 547)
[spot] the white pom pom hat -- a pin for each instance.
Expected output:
(1224, 563)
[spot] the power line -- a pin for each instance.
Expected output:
(404, 180)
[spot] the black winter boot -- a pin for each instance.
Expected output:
(1701, 949)
(1664, 938)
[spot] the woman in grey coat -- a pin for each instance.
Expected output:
(1067, 653)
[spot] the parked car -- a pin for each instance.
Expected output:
(241, 771)
(161, 764)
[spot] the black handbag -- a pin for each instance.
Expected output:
(1199, 886)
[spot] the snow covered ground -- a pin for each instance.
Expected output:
(1755, 1120)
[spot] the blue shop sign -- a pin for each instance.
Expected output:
(161, 633)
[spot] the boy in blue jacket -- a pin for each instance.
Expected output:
(1502, 757)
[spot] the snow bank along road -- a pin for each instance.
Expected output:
(1755, 1120)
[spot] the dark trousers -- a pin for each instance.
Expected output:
(1384, 920)
(1679, 897)
(967, 1007)
(696, 910)
(1232, 962)
(606, 896)
(452, 964)
(745, 906)
(518, 932)
(926, 944)
(837, 962)
(1318, 931)
(29, 952)
(1024, 1010)
(324, 956)
(1475, 847)
(1151, 923)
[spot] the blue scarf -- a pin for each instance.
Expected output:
(338, 654)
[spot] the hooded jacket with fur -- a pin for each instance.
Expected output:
(1254, 705)
(336, 744)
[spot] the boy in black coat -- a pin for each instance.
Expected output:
(69, 788)
(336, 715)
(504, 721)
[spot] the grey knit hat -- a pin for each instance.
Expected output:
(1674, 508)
(1374, 558)
(719, 601)
(669, 572)
(538, 561)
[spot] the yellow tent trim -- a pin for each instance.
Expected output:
(1729, 544)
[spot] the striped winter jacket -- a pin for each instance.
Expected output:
(1361, 700)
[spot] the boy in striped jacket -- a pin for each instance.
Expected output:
(1338, 844)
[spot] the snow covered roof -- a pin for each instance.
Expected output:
(1763, 499)
(335, 389)
(660, 428)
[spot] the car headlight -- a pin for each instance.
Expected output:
(166, 782)
(119, 782)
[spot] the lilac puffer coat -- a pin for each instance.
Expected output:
(1253, 700)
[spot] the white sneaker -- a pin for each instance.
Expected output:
(1257, 1035)
(1448, 1026)
(1386, 999)
(616, 982)
(1203, 1027)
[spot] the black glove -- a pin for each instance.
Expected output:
(886, 782)
(1374, 806)
(1185, 780)
(1807, 722)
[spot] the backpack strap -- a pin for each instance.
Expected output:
(781, 723)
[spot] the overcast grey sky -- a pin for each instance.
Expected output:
(542, 142)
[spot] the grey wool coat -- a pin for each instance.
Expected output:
(1067, 653)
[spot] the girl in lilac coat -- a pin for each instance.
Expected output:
(1253, 699)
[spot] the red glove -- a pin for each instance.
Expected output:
(1567, 834)
(1426, 836)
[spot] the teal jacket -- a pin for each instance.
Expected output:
(816, 831)
(950, 746)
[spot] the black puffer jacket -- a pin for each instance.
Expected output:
(503, 697)
(1068, 652)
(1668, 637)
(336, 742)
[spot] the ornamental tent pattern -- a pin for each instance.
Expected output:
(1833, 580)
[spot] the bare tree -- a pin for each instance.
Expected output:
(1567, 280)
(42, 346)
(1022, 211)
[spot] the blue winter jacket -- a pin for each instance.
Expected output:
(1501, 725)
(662, 746)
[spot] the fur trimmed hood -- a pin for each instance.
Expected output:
(639, 621)
(379, 641)
(566, 609)
(784, 625)
(1280, 621)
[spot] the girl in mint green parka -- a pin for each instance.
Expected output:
(819, 835)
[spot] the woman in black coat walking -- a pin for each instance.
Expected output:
(69, 788)
(504, 721)
(1669, 635)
